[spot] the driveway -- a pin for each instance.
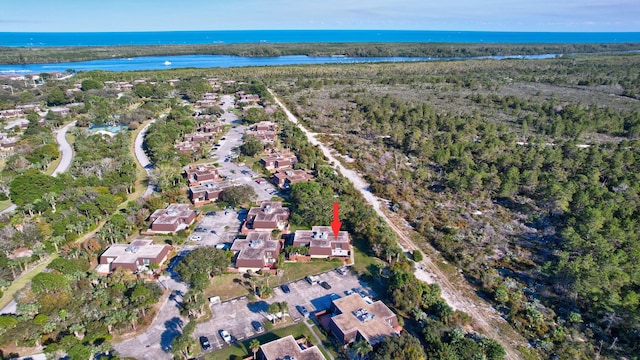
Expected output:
(236, 315)
(65, 149)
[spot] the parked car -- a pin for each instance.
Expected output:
(285, 288)
(348, 292)
(325, 285)
(303, 311)
(257, 326)
(224, 334)
(361, 292)
(210, 213)
(259, 181)
(223, 246)
(201, 229)
(311, 279)
(204, 342)
(196, 237)
(342, 270)
(334, 296)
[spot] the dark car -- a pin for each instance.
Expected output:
(257, 326)
(325, 285)
(210, 213)
(303, 311)
(285, 289)
(204, 342)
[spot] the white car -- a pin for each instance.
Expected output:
(224, 334)
(196, 237)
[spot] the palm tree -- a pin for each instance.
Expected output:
(362, 348)
(51, 199)
(28, 208)
(254, 345)
(55, 240)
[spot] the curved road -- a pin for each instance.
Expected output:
(65, 149)
(65, 161)
(485, 318)
(142, 158)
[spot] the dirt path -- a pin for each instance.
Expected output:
(457, 293)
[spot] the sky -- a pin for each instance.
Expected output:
(469, 15)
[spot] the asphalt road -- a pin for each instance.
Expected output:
(142, 158)
(65, 149)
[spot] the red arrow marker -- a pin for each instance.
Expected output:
(336, 223)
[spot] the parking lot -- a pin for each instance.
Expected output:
(236, 315)
(219, 228)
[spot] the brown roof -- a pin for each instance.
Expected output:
(269, 211)
(255, 246)
(370, 320)
(130, 253)
(320, 236)
(288, 348)
(291, 176)
(171, 214)
(210, 186)
(198, 173)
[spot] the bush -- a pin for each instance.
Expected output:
(417, 256)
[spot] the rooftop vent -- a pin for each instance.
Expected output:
(363, 315)
(254, 243)
(268, 209)
(132, 249)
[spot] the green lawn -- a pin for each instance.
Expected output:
(4, 204)
(295, 271)
(241, 350)
(227, 286)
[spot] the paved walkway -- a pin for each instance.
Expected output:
(318, 341)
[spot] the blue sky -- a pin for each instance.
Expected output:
(481, 15)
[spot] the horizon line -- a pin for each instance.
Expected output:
(304, 30)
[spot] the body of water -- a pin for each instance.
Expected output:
(313, 36)
(112, 129)
(220, 61)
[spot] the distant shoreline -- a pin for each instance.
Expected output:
(63, 54)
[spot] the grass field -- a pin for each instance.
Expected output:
(296, 271)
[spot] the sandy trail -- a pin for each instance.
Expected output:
(458, 294)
